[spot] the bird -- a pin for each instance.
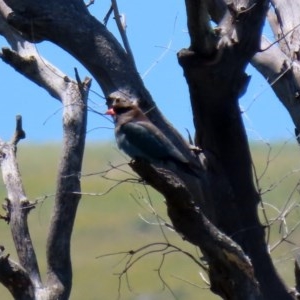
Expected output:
(138, 137)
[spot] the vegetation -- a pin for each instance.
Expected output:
(111, 223)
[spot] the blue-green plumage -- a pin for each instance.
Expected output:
(138, 137)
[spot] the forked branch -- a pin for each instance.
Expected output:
(17, 209)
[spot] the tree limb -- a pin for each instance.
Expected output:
(224, 186)
(68, 192)
(279, 64)
(108, 63)
(221, 134)
(203, 38)
(16, 279)
(73, 95)
(18, 206)
(122, 29)
(25, 59)
(188, 219)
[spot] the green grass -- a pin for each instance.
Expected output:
(115, 223)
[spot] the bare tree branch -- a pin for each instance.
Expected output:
(132, 257)
(73, 96)
(121, 24)
(220, 132)
(221, 196)
(17, 206)
(66, 201)
(282, 73)
(203, 39)
(15, 279)
(190, 222)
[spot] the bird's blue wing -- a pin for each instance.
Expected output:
(144, 139)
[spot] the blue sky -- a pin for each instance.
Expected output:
(156, 33)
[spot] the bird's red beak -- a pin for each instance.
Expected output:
(110, 112)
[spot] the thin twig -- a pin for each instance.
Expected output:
(261, 202)
(167, 49)
(160, 274)
(285, 237)
(284, 35)
(90, 3)
(19, 132)
(134, 256)
(107, 16)
(122, 29)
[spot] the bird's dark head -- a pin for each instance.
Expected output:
(120, 106)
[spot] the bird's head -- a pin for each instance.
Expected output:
(120, 106)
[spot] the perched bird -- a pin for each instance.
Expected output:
(138, 137)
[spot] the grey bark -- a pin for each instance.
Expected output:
(23, 278)
(279, 62)
(24, 275)
(233, 242)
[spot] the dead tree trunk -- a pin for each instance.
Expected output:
(216, 210)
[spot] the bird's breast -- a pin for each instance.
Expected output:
(129, 148)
